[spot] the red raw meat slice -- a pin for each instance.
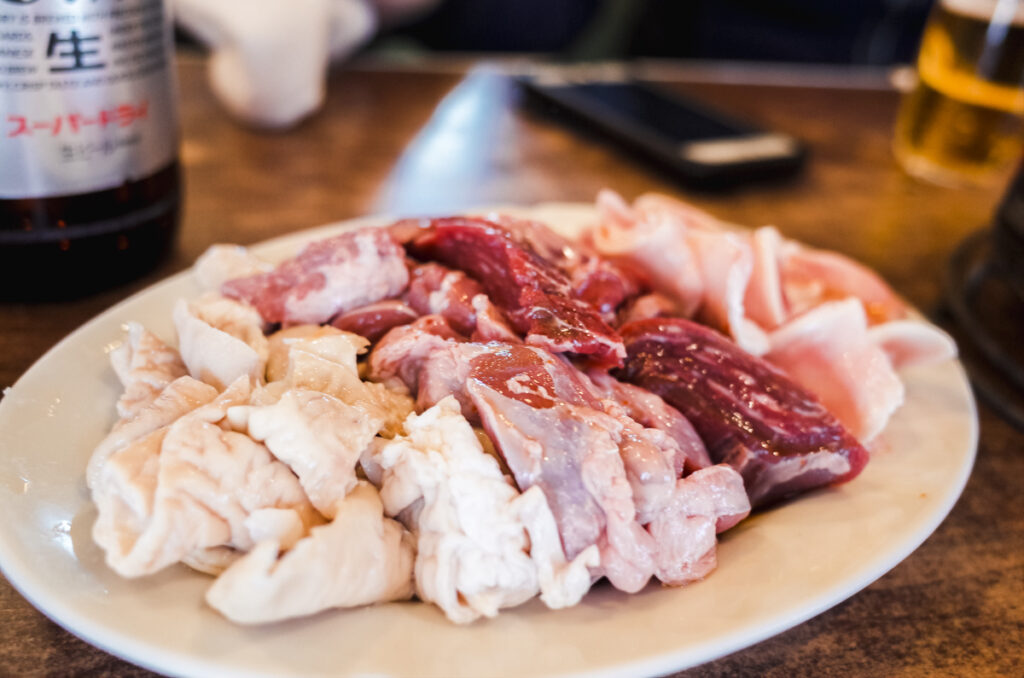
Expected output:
(434, 289)
(374, 321)
(326, 278)
(750, 415)
(535, 294)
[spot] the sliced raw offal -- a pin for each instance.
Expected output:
(491, 323)
(535, 294)
(326, 363)
(220, 339)
(726, 263)
(186, 487)
(326, 278)
(179, 397)
(221, 263)
(654, 305)
(280, 344)
(145, 365)
(593, 279)
(910, 342)
(473, 556)
(572, 455)
(437, 290)
(827, 351)
(651, 411)
(705, 502)
(373, 321)
(810, 277)
(749, 414)
(318, 436)
(538, 412)
(764, 302)
(397, 358)
(360, 557)
(444, 373)
(653, 248)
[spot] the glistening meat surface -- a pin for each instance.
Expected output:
(533, 292)
(750, 415)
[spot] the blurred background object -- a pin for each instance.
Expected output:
(964, 120)
(985, 295)
(270, 56)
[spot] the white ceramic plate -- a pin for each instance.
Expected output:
(775, 570)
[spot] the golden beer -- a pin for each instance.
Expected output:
(965, 119)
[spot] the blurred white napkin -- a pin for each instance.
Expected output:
(269, 57)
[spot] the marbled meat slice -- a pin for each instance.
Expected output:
(750, 415)
(326, 278)
(536, 295)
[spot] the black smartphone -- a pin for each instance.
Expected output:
(694, 142)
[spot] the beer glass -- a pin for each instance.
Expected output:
(964, 121)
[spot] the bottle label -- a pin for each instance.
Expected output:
(86, 95)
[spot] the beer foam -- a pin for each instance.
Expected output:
(1003, 11)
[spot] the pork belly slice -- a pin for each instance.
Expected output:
(144, 365)
(750, 415)
(534, 293)
(827, 350)
(360, 557)
(473, 554)
(326, 278)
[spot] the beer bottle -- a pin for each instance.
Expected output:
(89, 179)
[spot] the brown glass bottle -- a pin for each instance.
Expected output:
(90, 188)
(68, 246)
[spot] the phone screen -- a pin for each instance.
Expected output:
(661, 114)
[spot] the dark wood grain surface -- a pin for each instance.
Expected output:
(413, 141)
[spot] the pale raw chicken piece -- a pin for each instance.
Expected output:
(726, 262)
(764, 302)
(651, 411)
(145, 365)
(179, 397)
(471, 548)
(910, 342)
(705, 502)
(186, 487)
(220, 263)
(220, 340)
(359, 558)
(326, 278)
(572, 454)
(653, 246)
(318, 436)
(326, 362)
(827, 351)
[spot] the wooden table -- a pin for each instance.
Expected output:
(413, 140)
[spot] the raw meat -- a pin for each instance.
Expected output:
(326, 278)
(535, 294)
(373, 321)
(323, 570)
(749, 414)
(145, 365)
